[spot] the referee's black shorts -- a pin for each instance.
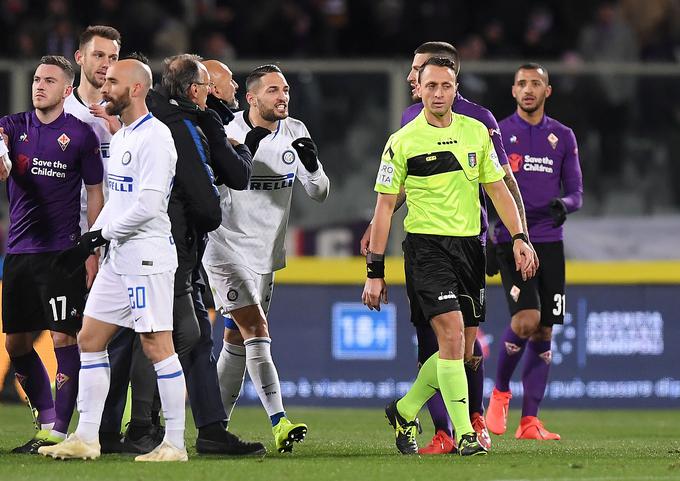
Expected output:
(545, 291)
(444, 274)
(35, 297)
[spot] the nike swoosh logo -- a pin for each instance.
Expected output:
(138, 318)
(265, 387)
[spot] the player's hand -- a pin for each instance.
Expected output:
(308, 153)
(70, 260)
(558, 211)
(365, 240)
(524, 259)
(233, 142)
(112, 121)
(253, 138)
(5, 137)
(91, 269)
(492, 265)
(375, 291)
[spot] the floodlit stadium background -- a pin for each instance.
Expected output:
(615, 73)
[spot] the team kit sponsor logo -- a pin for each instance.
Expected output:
(120, 183)
(272, 182)
(529, 163)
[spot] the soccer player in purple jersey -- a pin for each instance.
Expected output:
(52, 153)
(544, 157)
(442, 442)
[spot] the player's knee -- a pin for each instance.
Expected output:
(62, 339)
(543, 333)
(526, 323)
(18, 344)
(233, 336)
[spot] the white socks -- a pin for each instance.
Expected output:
(172, 389)
(263, 373)
(231, 371)
(94, 381)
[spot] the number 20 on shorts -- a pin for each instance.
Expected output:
(137, 297)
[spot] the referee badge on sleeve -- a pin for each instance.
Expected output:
(472, 159)
(385, 174)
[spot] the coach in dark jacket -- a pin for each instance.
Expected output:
(194, 210)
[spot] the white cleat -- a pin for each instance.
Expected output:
(164, 452)
(72, 448)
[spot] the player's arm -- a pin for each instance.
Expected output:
(156, 157)
(232, 164)
(366, 238)
(310, 172)
(95, 202)
(375, 289)
(5, 161)
(507, 210)
(572, 185)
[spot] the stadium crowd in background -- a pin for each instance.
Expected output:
(224, 29)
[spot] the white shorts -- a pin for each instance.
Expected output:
(235, 286)
(142, 303)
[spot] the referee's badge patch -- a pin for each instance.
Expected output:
(385, 174)
(472, 159)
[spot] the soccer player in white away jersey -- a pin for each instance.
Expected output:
(244, 252)
(134, 288)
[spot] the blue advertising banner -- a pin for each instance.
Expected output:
(616, 349)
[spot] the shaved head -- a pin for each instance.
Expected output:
(127, 83)
(136, 72)
(224, 86)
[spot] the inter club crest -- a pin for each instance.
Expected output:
(552, 139)
(61, 379)
(472, 159)
(63, 141)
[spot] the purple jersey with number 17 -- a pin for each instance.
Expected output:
(463, 106)
(49, 163)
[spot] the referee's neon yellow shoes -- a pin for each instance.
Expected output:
(286, 433)
(72, 448)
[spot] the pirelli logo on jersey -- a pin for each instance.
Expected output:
(272, 182)
(119, 183)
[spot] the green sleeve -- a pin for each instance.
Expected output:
(392, 171)
(490, 169)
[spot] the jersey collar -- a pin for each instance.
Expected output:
(55, 124)
(130, 128)
(542, 124)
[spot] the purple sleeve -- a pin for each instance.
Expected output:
(490, 123)
(91, 168)
(572, 181)
(7, 126)
(411, 113)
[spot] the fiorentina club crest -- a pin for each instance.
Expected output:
(512, 348)
(63, 141)
(552, 138)
(546, 356)
(61, 379)
(472, 159)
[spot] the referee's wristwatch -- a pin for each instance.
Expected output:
(521, 236)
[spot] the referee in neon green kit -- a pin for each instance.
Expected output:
(439, 159)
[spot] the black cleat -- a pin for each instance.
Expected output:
(469, 446)
(405, 431)
(31, 447)
(228, 444)
(142, 439)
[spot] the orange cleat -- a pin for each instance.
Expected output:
(497, 412)
(479, 425)
(441, 444)
(530, 427)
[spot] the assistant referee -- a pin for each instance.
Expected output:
(439, 159)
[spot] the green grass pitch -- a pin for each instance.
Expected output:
(357, 445)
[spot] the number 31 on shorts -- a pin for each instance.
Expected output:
(560, 304)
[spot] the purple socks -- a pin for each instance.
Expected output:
(68, 367)
(511, 351)
(474, 370)
(32, 375)
(535, 375)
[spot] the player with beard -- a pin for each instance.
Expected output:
(134, 287)
(245, 251)
(53, 154)
(544, 157)
(442, 441)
